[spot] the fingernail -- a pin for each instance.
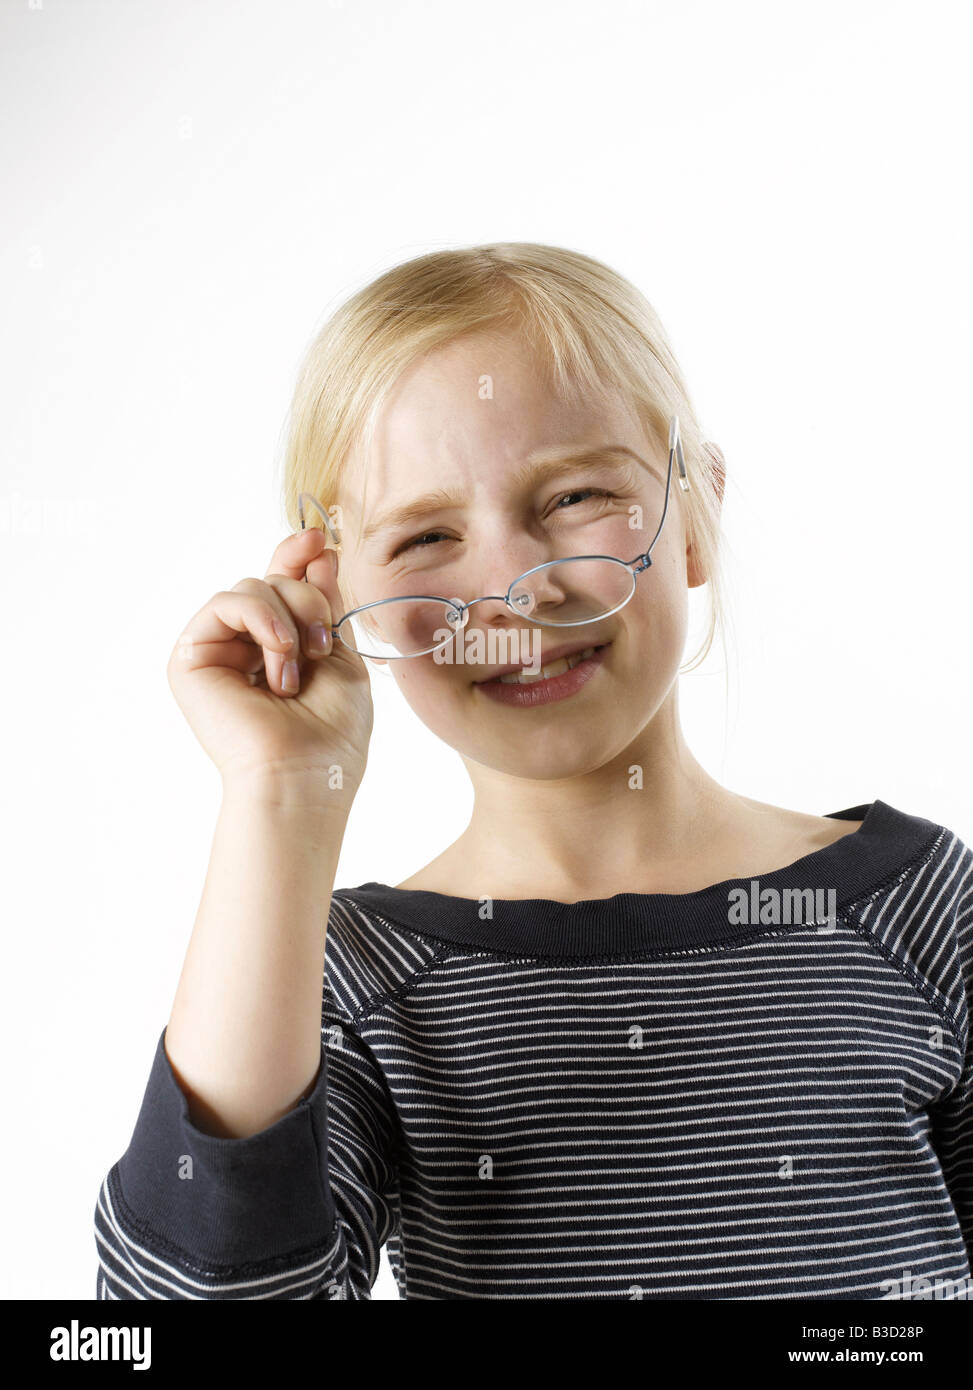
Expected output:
(318, 637)
(289, 679)
(281, 631)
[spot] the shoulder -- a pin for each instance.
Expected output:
(800, 829)
(369, 959)
(922, 918)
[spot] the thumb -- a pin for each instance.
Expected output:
(322, 572)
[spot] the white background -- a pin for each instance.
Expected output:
(191, 187)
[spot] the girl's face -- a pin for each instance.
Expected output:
(470, 437)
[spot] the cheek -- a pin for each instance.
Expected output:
(661, 595)
(652, 631)
(437, 699)
(625, 539)
(424, 684)
(346, 596)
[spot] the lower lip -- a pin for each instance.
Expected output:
(544, 692)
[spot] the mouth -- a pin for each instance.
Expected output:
(564, 672)
(556, 663)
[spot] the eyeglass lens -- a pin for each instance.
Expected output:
(565, 593)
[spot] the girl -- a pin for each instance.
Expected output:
(632, 1035)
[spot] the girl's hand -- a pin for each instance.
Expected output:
(260, 691)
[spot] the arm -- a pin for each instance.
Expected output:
(243, 1037)
(262, 1164)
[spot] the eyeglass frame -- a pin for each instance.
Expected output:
(459, 610)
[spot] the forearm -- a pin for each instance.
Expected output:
(244, 1035)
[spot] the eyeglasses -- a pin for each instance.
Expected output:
(579, 589)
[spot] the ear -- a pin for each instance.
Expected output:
(694, 571)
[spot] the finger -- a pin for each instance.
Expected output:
(283, 668)
(322, 572)
(244, 655)
(310, 611)
(236, 613)
(294, 554)
(305, 611)
(223, 632)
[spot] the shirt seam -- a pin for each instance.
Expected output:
(928, 991)
(468, 949)
(163, 1246)
(921, 983)
(371, 1006)
(919, 860)
(449, 947)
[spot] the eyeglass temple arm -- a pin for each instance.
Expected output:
(675, 452)
(302, 497)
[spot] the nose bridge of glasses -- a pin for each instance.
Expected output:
(501, 608)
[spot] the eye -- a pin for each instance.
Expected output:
(418, 541)
(583, 492)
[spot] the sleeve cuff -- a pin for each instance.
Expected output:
(228, 1202)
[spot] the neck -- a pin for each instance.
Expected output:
(641, 815)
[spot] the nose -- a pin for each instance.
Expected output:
(490, 610)
(523, 598)
(505, 554)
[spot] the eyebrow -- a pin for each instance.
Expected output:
(541, 466)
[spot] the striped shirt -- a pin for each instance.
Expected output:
(760, 1090)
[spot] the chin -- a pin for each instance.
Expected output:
(548, 757)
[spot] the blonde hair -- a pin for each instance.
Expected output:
(596, 332)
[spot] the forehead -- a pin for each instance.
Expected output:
(472, 408)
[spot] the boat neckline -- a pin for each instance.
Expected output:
(886, 844)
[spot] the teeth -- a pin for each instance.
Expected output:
(556, 668)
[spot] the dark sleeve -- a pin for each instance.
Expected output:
(298, 1211)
